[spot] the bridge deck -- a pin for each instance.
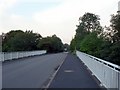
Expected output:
(73, 74)
(33, 72)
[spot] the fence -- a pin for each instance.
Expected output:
(16, 55)
(107, 73)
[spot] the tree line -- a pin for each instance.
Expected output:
(90, 37)
(18, 40)
(95, 40)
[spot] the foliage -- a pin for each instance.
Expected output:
(114, 49)
(51, 44)
(20, 41)
(88, 23)
(115, 53)
(66, 47)
(91, 44)
(72, 45)
(90, 38)
(26, 41)
(115, 25)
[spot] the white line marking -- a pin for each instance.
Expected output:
(53, 76)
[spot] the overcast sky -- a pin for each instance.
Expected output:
(49, 17)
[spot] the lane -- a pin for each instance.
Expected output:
(30, 72)
(73, 74)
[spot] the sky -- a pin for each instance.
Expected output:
(49, 17)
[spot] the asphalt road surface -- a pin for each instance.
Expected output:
(30, 72)
(73, 74)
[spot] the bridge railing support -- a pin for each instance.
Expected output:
(107, 73)
(16, 55)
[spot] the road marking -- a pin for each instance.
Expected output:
(53, 76)
(68, 71)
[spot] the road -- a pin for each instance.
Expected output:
(30, 72)
(35, 72)
(73, 74)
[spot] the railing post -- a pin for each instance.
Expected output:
(11, 56)
(17, 55)
(3, 56)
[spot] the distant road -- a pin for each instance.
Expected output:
(30, 72)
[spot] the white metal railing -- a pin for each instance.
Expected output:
(107, 73)
(16, 55)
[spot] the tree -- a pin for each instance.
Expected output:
(66, 47)
(115, 26)
(114, 55)
(114, 29)
(20, 41)
(90, 38)
(91, 44)
(88, 23)
(6, 42)
(72, 45)
(51, 44)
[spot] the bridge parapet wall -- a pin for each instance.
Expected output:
(107, 73)
(16, 55)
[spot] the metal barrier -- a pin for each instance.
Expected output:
(16, 55)
(107, 73)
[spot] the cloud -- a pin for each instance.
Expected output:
(63, 12)
(43, 1)
(5, 4)
(74, 9)
(60, 20)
